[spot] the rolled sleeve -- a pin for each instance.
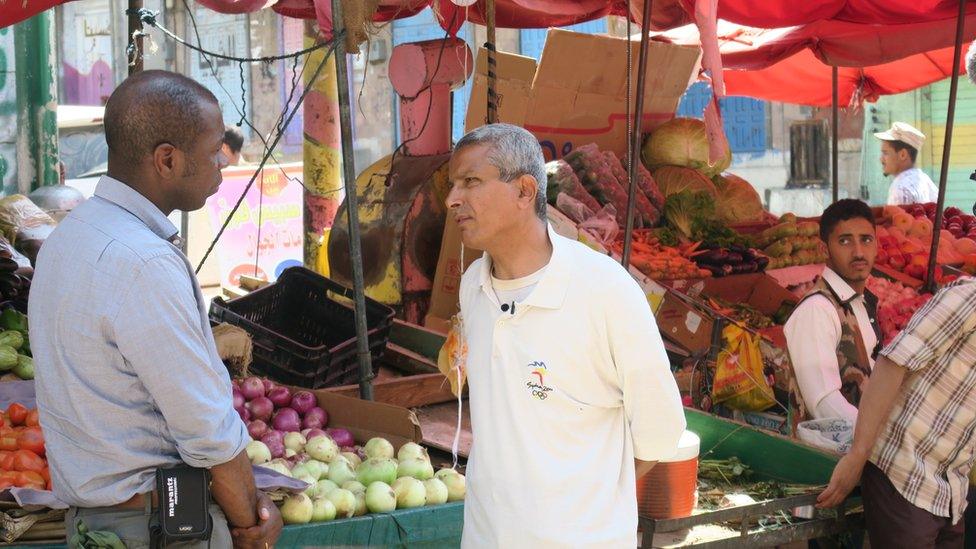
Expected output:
(934, 327)
(651, 399)
(159, 333)
(812, 334)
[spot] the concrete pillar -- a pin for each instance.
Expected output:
(37, 102)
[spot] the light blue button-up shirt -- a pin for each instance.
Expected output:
(127, 372)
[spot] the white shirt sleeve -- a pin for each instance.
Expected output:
(812, 334)
(650, 395)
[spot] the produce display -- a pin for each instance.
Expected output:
(660, 262)
(676, 179)
(728, 261)
(896, 305)
(905, 239)
(290, 436)
(15, 353)
(792, 243)
(22, 463)
(375, 479)
(682, 142)
(604, 178)
(737, 201)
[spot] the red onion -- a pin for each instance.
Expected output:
(287, 420)
(303, 401)
(341, 436)
(238, 399)
(252, 388)
(309, 434)
(275, 442)
(257, 429)
(316, 418)
(281, 396)
(268, 385)
(261, 408)
(244, 413)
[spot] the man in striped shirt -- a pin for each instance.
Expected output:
(916, 430)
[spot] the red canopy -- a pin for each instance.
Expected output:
(793, 64)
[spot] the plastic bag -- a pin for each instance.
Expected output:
(453, 356)
(574, 209)
(603, 225)
(834, 434)
(739, 381)
(24, 224)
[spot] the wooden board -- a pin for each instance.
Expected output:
(439, 425)
(406, 391)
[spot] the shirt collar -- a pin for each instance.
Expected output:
(843, 290)
(130, 200)
(551, 289)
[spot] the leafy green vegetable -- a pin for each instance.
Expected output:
(666, 236)
(683, 209)
(712, 232)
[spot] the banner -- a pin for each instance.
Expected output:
(243, 249)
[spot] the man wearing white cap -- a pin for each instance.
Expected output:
(899, 149)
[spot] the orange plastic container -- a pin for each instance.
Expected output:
(669, 490)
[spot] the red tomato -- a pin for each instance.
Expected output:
(7, 464)
(31, 439)
(33, 418)
(8, 443)
(46, 473)
(25, 460)
(18, 413)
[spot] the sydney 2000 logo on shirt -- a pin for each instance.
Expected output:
(536, 383)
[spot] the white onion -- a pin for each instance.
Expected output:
(380, 498)
(353, 486)
(410, 493)
(295, 442)
(341, 471)
(436, 491)
(258, 452)
(379, 448)
(418, 468)
(297, 509)
(344, 501)
(322, 448)
(322, 510)
(353, 458)
(412, 450)
(377, 470)
(455, 482)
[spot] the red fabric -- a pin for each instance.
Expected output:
(787, 13)
(15, 11)
(803, 79)
(793, 64)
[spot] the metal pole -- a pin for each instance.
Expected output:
(490, 46)
(37, 99)
(946, 146)
(634, 144)
(835, 131)
(134, 48)
(352, 204)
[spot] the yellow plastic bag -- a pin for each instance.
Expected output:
(453, 356)
(739, 381)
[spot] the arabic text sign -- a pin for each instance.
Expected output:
(279, 211)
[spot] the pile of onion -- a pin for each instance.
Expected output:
(270, 411)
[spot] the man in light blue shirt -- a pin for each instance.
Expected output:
(128, 377)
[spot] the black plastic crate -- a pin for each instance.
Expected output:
(304, 330)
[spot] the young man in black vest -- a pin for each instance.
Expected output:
(833, 335)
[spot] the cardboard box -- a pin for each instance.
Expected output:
(513, 84)
(367, 419)
(691, 327)
(447, 278)
(578, 92)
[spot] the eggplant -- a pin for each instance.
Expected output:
(735, 258)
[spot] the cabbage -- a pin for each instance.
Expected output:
(738, 201)
(672, 180)
(682, 142)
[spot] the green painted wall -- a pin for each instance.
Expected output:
(8, 113)
(925, 109)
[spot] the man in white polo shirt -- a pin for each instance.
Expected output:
(571, 393)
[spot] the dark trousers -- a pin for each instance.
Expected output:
(894, 523)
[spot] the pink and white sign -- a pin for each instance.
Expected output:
(243, 249)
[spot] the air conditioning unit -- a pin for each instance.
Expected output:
(809, 154)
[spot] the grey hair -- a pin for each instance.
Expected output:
(515, 152)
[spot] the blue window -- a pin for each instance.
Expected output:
(744, 118)
(533, 40)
